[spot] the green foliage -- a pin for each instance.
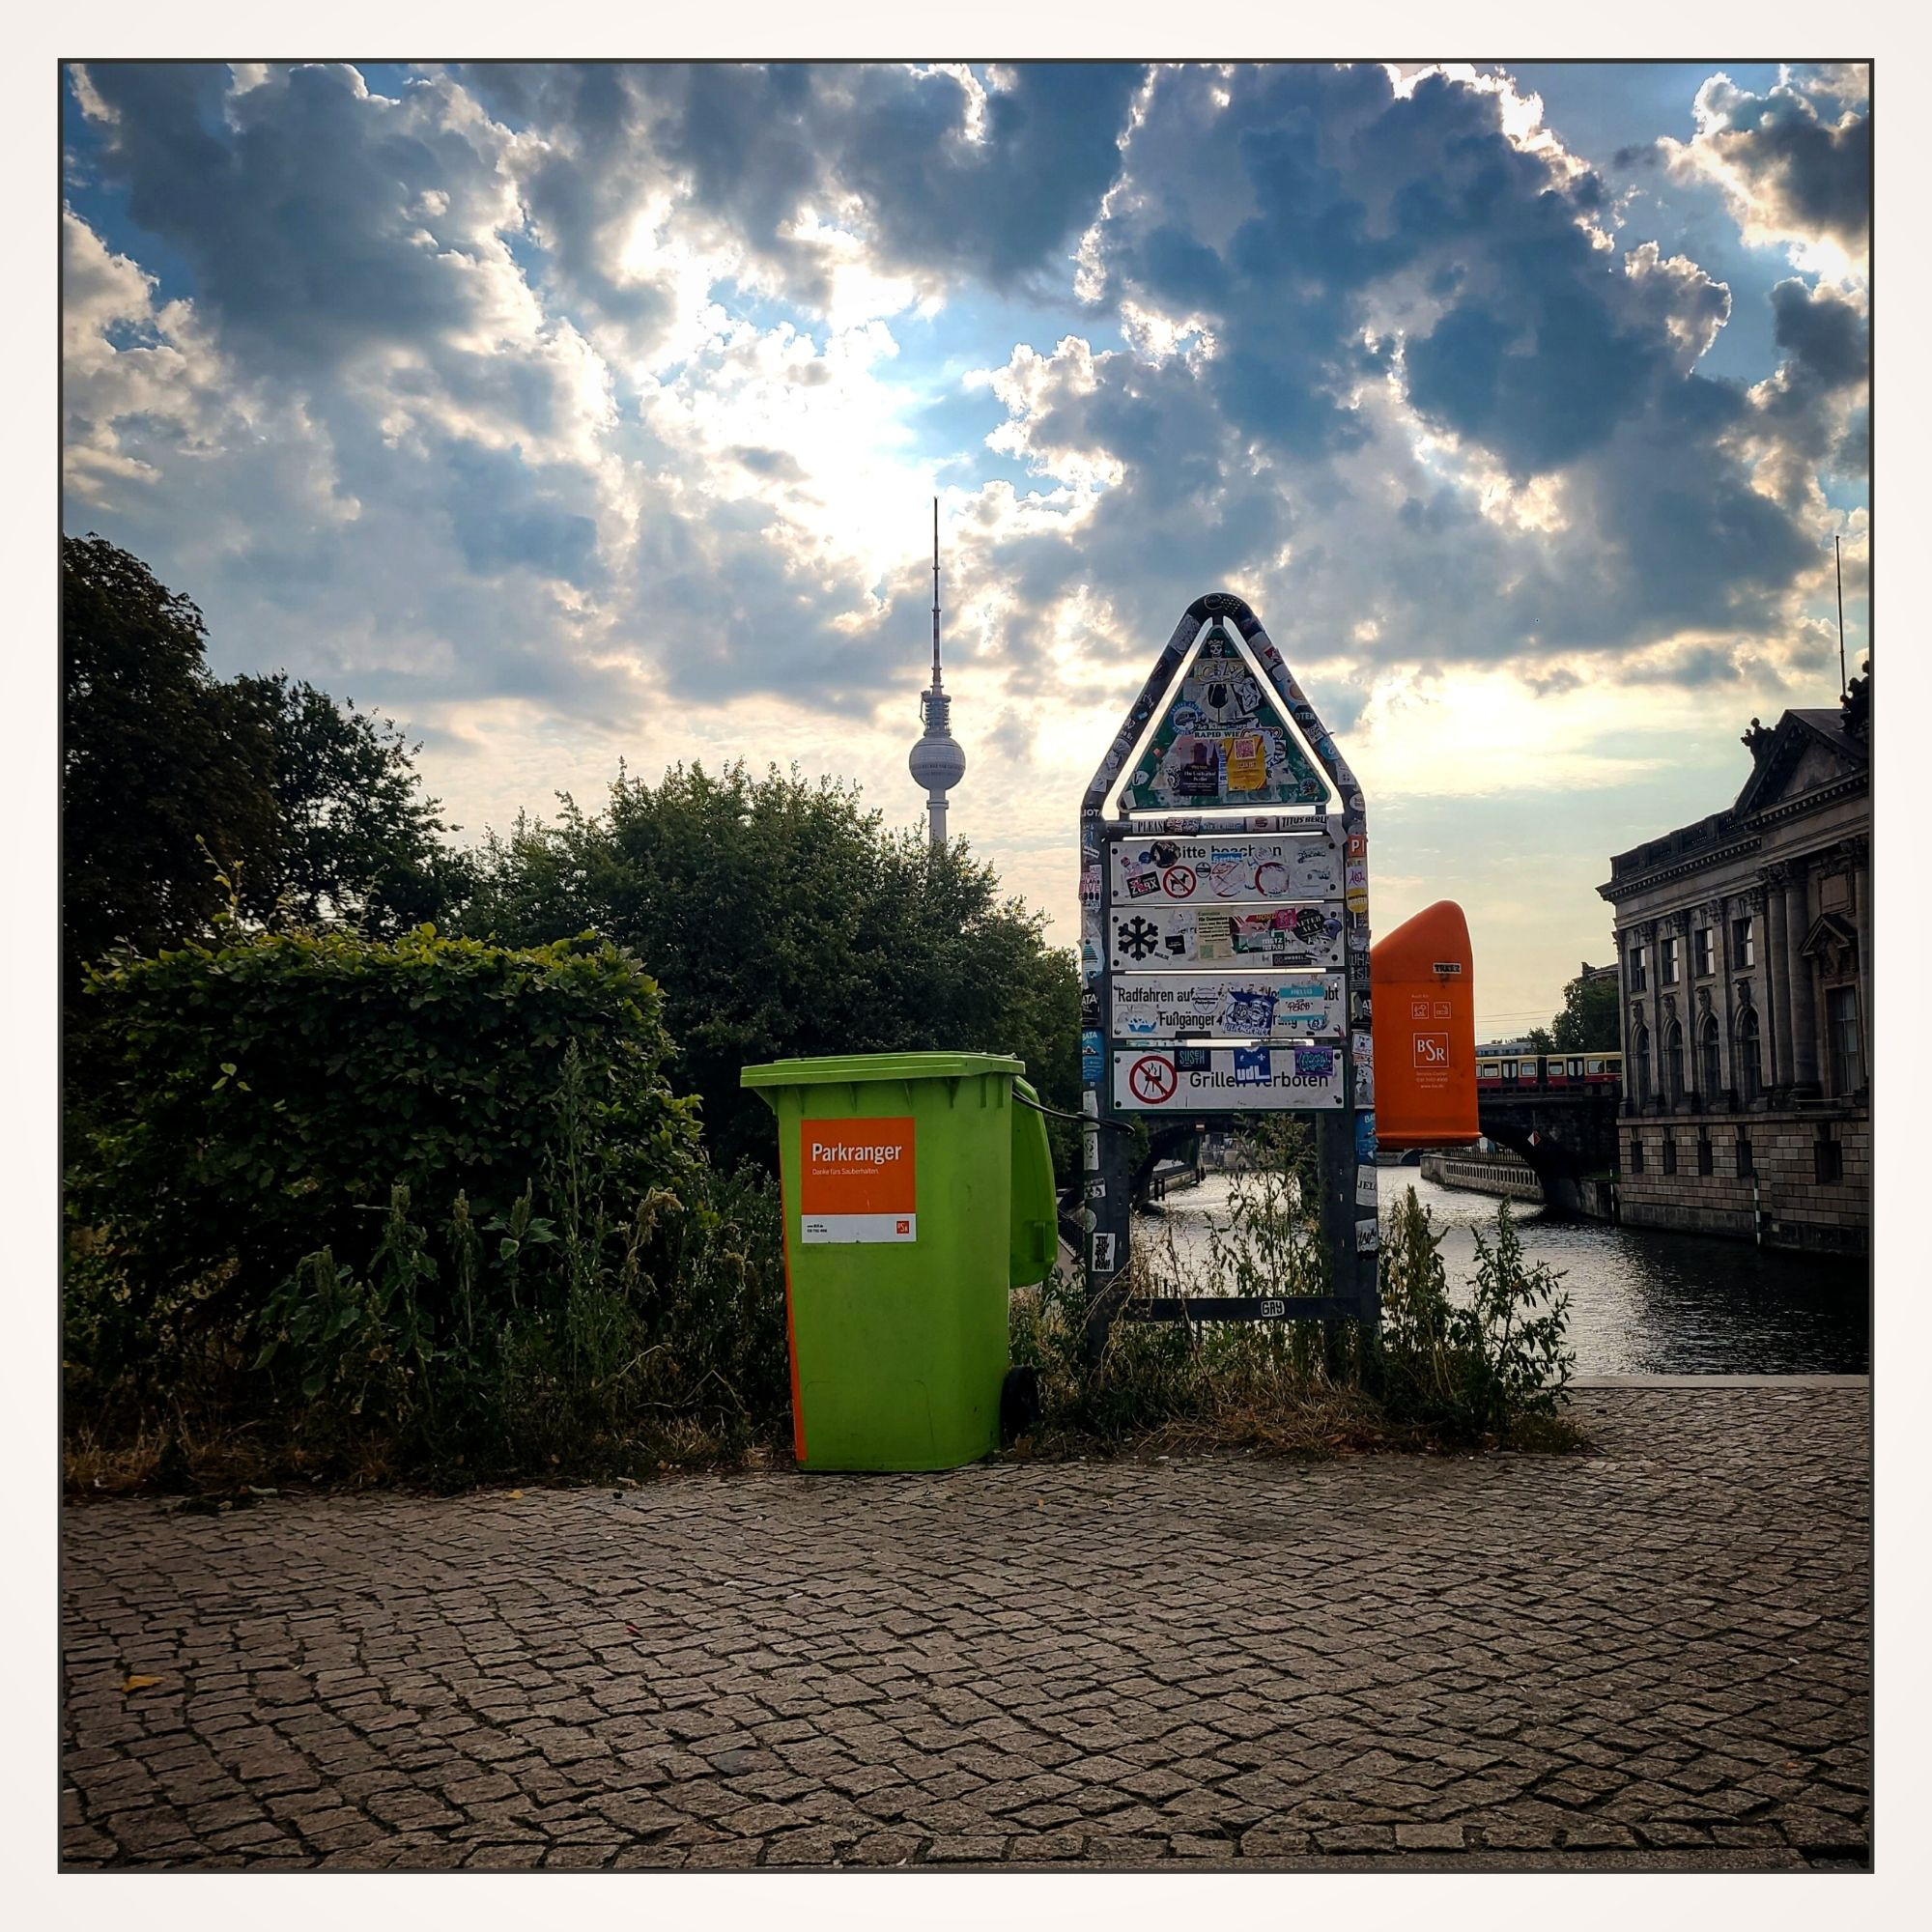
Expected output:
(161, 766)
(262, 1097)
(1475, 1369)
(356, 840)
(583, 1333)
(1590, 1021)
(1439, 1372)
(182, 795)
(1539, 1040)
(782, 918)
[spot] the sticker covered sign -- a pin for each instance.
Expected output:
(1259, 1005)
(1228, 1079)
(1192, 871)
(1158, 936)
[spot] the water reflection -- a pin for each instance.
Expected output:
(1641, 1301)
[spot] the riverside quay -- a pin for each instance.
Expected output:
(1745, 946)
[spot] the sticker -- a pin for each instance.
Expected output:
(1103, 1253)
(1223, 1080)
(1097, 1190)
(1090, 1148)
(1368, 1236)
(1365, 1136)
(1365, 1187)
(857, 1181)
(1273, 1308)
(1315, 1063)
(1254, 1065)
(1091, 1050)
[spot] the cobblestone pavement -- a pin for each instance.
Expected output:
(1658, 1656)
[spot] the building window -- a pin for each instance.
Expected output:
(1751, 1080)
(1710, 1067)
(1707, 951)
(1669, 1154)
(1704, 1165)
(1638, 980)
(1640, 1073)
(1744, 942)
(1636, 1153)
(1827, 1158)
(1744, 1167)
(1668, 962)
(1673, 1064)
(1841, 1018)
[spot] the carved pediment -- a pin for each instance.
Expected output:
(1833, 943)
(1808, 750)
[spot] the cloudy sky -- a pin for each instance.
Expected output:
(575, 414)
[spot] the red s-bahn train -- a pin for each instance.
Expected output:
(1549, 1072)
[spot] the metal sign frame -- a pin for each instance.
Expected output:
(1345, 1134)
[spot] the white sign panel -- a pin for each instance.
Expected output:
(1227, 1079)
(1247, 1007)
(1154, 936)
(1189, 871)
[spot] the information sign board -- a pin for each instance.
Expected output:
(1229, 1079)
(1243, 1007)
(1148, 937)
(1191, 871)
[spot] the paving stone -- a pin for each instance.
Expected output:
(1658, 1657)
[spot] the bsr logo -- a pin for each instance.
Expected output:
(1431, 1049)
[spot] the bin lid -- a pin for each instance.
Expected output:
(1033, 1242)
(851, 1066)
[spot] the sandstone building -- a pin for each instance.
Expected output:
(1744, 943)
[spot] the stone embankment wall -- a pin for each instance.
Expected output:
(1484, 1172)
(1764, 1170)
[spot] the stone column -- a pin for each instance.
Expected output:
(1862, 896)
(1803, 994)
(1775, 1038)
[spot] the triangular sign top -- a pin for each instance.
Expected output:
(1220, 743)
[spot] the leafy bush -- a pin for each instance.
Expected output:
(1474, 1369)
(1437, 1372)
(782, 917)
(254, 1102)
(582, 1333)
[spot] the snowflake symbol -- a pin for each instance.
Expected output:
(1138, 937)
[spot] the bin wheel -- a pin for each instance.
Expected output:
(1019, 1405)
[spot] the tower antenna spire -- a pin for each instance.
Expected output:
(937, 764)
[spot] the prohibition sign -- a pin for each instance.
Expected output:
(1150, 1079)
(1179, 881)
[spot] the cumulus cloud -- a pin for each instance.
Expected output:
(598, 403)
(1795, 162)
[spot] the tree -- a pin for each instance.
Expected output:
(164, 771)
(782, 918)
(182, 795)
(1589, 1022)
(1539, 1040)
(355, 838)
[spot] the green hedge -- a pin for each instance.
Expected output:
(248, 1104)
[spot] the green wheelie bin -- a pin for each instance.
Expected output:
(918, 1190)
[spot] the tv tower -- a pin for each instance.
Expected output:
(937, 764)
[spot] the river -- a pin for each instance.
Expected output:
(1641, 1302)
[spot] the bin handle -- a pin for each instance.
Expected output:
(1060, 1114)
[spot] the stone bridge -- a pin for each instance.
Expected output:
(1562, 1136)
